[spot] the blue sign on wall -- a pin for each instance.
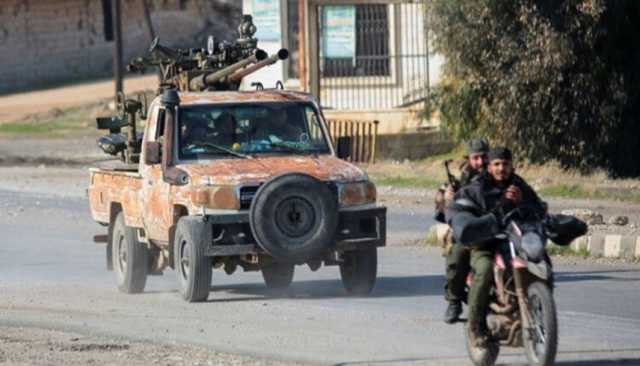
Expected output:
(266, 17)
(339, 31)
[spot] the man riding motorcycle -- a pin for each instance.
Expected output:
(457, 255)
(478, 208)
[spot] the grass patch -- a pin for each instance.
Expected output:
(454, 155)
(567, 250)
(581, 192)
(565, 190)
(65, 121)
(432, 238)
(404, 181)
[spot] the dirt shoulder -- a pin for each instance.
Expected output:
(16, 107)
(33, 346)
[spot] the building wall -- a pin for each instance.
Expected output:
(47, 42)
(412, 146)
(268, 76)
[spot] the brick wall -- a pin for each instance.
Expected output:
(46, 42)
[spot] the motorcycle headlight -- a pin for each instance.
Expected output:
(359, 193)
(216, 197)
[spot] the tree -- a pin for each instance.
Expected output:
(555, 79)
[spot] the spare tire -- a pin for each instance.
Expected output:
(294, 217)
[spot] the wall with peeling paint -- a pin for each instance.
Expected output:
(48, 42)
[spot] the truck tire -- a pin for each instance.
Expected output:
(278, 275)
(294, 217)
(191, 264)
(359, 270)
(130, 258)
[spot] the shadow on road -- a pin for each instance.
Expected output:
(612, 275)
(605, 362)
(321, 289)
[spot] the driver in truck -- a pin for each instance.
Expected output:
(481, 206)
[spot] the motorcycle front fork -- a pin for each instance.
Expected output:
(523, 303)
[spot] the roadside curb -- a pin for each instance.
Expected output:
(609, 246)
(596, 245)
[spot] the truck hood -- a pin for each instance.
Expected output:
(239, 171)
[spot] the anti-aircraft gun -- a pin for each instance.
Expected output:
(219, 67)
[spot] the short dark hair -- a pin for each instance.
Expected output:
(501, 152)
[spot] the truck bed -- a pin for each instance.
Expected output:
(114, 188)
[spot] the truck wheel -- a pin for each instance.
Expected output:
(359, 270)
(294, 217)
(278, 275)
(130, 258)
(193, 267)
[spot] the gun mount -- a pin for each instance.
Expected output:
(199, 69)
(220, 66)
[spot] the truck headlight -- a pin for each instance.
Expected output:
(360, 193)
(220, 197)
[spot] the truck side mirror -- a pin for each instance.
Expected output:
(152, 153)
(344, 147)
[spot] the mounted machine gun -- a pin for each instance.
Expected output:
(219, 67)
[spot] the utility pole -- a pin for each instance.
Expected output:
(117, 54)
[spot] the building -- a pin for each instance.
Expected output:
(362, 59)
(48, 42)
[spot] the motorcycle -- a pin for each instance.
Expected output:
(522, 310)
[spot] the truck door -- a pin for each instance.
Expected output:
(155, 192)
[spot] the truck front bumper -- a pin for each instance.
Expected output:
(358, 228)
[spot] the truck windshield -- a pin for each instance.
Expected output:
(240, 130)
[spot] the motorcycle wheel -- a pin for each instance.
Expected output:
(481, 356)
(541, 346)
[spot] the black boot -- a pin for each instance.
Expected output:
(453, 312)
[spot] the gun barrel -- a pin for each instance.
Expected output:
(283, 54)
(200, 82)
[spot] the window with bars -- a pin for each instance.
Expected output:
(371, 49)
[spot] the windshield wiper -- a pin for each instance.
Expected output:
(223, 149)
(292, 148)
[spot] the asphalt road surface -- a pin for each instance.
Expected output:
(52, 276)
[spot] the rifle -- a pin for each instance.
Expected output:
(453, 181)
(440, 200)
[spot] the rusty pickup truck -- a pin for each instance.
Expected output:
(232, 179)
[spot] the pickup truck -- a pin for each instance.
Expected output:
(232, 179)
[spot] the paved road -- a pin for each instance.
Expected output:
(52, 276)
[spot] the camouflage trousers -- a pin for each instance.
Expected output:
(457, 269)
(478, 300)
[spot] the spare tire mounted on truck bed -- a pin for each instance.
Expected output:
(294, 217)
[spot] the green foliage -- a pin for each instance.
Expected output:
(554, 80)
(404, 181)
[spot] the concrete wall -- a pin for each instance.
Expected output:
(47, 42)
(412, 146)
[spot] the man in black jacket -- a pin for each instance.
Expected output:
(475, 217)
